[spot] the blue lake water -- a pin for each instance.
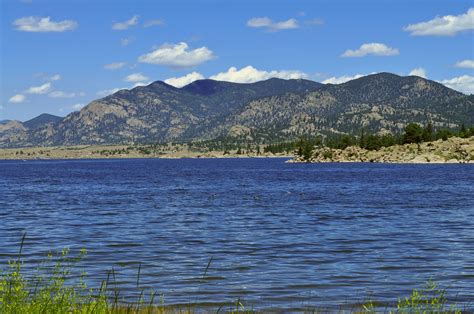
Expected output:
(280, 235)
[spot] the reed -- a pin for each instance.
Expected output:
(56, 287)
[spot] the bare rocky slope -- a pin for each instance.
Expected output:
(266, 111)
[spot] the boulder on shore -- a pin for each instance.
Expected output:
(452, 150)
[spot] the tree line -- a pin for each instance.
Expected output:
(413, 133)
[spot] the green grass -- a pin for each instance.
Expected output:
(54, 288)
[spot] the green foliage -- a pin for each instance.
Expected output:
(431, 299)
(427, 134)
(413, 134)
(285, 147)
(305, 147)
(375, 142)
(51, 290)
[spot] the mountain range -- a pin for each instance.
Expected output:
(265, 111)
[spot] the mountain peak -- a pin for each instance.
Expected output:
(207, 86)
(41, 120)
(270, 110)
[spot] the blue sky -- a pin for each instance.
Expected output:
(57, 56)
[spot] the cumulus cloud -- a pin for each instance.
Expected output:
(341, 79)
(43, 24)
(267, 23)
(184, 80)
(43, 89)
(418, 72)
(448, 25)
(375, 49)
(120, 26)
(464, 84)
(467, 64)
(135, 77)
(151, 23)
(61, 94)
(177, 55)
(114, 65)
(18, 98)
(249, 74)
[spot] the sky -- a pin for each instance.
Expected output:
(57, 56)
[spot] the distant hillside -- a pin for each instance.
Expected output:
(377, 103)
(41, 121)
(265, 111)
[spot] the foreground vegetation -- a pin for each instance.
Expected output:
(56, 287)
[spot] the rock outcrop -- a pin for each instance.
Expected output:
(452, 150)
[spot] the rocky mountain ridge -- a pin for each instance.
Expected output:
(265, 111)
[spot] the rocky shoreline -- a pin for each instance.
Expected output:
(452, 150)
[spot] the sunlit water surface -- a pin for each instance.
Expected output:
(280, 235)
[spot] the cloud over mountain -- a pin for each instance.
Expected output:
(177, 55)
(374, 49)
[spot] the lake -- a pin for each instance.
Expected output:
(280, 235)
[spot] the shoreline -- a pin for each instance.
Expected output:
(453, 150)
(92, 152)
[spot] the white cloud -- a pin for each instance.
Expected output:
(448, 25)
(127, 41)
(43, 89)
(114, 66)
(55, 77)
(107, 92)
(136, 77)
(60, 94)
(375, 49)
(43, 24)
(140, 84)
(265, 22)
(125, 25)
(464, 84)
(184, 80)
(153, 23)
(177, 55)
(249, 74)
(77, 106)
(467, 64)
(418, 72)
(341, 79)
(18, 98)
